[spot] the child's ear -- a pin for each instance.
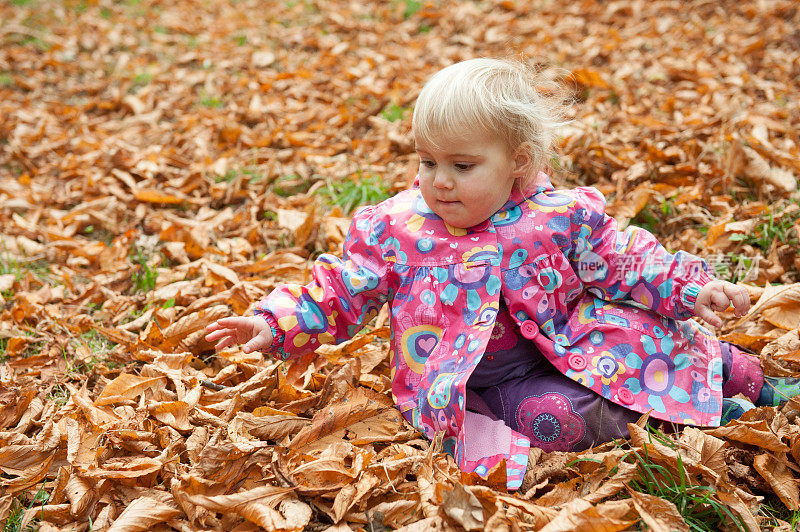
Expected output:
(523, 160)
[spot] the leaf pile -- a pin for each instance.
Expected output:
(165, 164)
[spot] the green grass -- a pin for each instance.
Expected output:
(3, 348)
(252, 175)
(411, 7)
(698, 504)
(59, 394)
(6, 80)
(144, 278)
(652, 216)
(9, 264)
(141, 79)
(771, 228)
(289, 185)
(354, 192)
(394, 112)
(733, 267)
(18, 509)
(229, 176)
(98, 345)
(36, 42)
(33, 348)
(212, 102)
(773, 511)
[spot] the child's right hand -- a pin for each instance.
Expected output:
(252, 331)
(717, 296)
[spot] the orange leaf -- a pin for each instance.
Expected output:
(150, 195)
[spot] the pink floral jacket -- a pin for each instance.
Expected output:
(604, 306)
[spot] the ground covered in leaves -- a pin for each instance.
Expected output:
(164, 164)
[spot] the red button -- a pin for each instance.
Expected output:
(625, 396)
(529, 329)
(576, 361)
(490, 357)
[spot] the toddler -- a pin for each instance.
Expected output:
(520, 314)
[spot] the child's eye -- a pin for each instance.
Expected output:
(463, 167)
(428, 163)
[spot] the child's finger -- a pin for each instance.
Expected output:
(232, 322)
(215, 335)
(254, 345)
(720, 300)
(739, 297)
(225, 342)
(706, 314)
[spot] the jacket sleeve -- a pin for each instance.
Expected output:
(631, 264)
(344, 295)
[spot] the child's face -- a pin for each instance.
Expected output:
(465, 181)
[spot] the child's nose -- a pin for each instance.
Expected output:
(442, 180)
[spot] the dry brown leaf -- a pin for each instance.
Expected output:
(704, 449)
(124, 468)
(756, 433)
(658, 514)
(80, 494)
(582, 515)
(126, 386)
(13, 404)
(142, 514)
(364, 417)
(759, 171)
(257, 506)
(780, 479)
(463, 507)
(775, 298)
(267, 427)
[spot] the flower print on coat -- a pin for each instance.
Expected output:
(704, 386)
(608, 364)
(553, 202)
(471, 276)
(308, 316)
(508, 215)
(657, 371)
(359, 279)
(504, 335)
(607, 367)
(418, 343)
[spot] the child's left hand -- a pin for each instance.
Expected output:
(716, 296)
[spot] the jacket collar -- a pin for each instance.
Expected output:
(541, 183)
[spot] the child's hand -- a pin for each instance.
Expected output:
(716, 296)
(252, 331)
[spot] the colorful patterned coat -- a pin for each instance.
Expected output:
(602, 305)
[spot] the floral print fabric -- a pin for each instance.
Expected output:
(601, 304)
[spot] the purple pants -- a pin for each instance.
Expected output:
(516, 383)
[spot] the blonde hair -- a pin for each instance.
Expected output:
(501, 98)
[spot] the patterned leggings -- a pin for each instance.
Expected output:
(559, 414)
